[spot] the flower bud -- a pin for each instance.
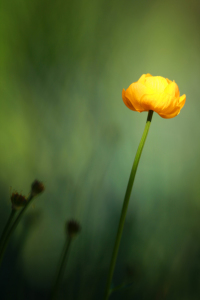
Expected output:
(73, 228)
(18, 201)
(37, 187)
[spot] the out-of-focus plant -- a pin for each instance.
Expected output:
(19, 202)
(72, 229)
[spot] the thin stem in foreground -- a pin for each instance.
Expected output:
(12, 228)
(125, 205)
(6, 228)
(61, 269)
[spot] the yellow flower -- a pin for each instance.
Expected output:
(154, 93)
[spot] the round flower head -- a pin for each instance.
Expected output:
(73, 228)
(18, 201)
(37, 187)
(154, 93)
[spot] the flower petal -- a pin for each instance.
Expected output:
(156, 83)
(143, 78)
(177, 109)
(182, 100)
(127, 102)
(169, 81)
(172, 89)
(169, 116)
(134, 93)
(164, 104)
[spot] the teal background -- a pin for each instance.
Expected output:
(62, 120)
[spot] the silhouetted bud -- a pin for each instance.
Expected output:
(37, 187)
(18, 200)
(73, 228)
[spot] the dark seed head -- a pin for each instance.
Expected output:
(18, 200)
(73, 228)
(37, 187)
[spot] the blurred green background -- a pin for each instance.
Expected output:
(62, 120)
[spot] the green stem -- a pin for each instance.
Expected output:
(120, 287)
(12, 228)
(61, 269)
(4, 233)
(125, 205)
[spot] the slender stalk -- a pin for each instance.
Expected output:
(8, 224)
(120, 287)
(12, 228)
(61, 269)
(125, 205)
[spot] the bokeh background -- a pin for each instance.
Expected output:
(62, 120)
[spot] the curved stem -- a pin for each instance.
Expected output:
(61, 270)
(125, 204)
(12, 228)
(4, 233)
